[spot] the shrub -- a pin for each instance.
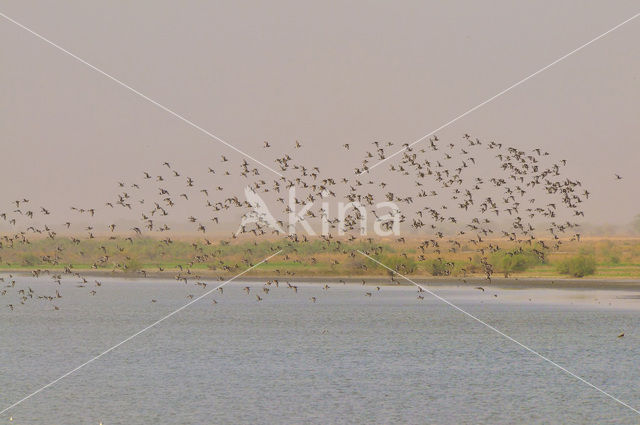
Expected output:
(579, 266)
(133, 265)
(439, 268)
(465, 268)
(30, 260)
(509, 262)
(398, 263)
(357, 264)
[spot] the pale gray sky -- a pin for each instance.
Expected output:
(324, 73)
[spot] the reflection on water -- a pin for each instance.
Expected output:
(348, 358)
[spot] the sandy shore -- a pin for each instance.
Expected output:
(571, 293)
(498, 282)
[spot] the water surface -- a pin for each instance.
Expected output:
(348, 358)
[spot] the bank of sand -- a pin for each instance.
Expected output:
(500, 282)
(573, 293)
(604, 293)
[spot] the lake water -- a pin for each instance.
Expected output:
(348, 358)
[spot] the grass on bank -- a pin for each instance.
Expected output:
(598, 258)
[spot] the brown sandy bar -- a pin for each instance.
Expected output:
(496, 282)
(502, 283)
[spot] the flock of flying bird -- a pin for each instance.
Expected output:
(464, 194)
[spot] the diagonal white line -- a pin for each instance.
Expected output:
(568, 372)
(480, 105)
(136, 334)
(147, 98)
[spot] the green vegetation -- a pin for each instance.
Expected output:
(439, 267)
(399, 263)
(30, 260)
(601, 258)
(132, 265)
(581, 265)
(516, 261)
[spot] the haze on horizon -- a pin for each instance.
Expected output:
(323, 74)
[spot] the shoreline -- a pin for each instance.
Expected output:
(524, 282)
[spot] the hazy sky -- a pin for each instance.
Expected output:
(323, 73)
